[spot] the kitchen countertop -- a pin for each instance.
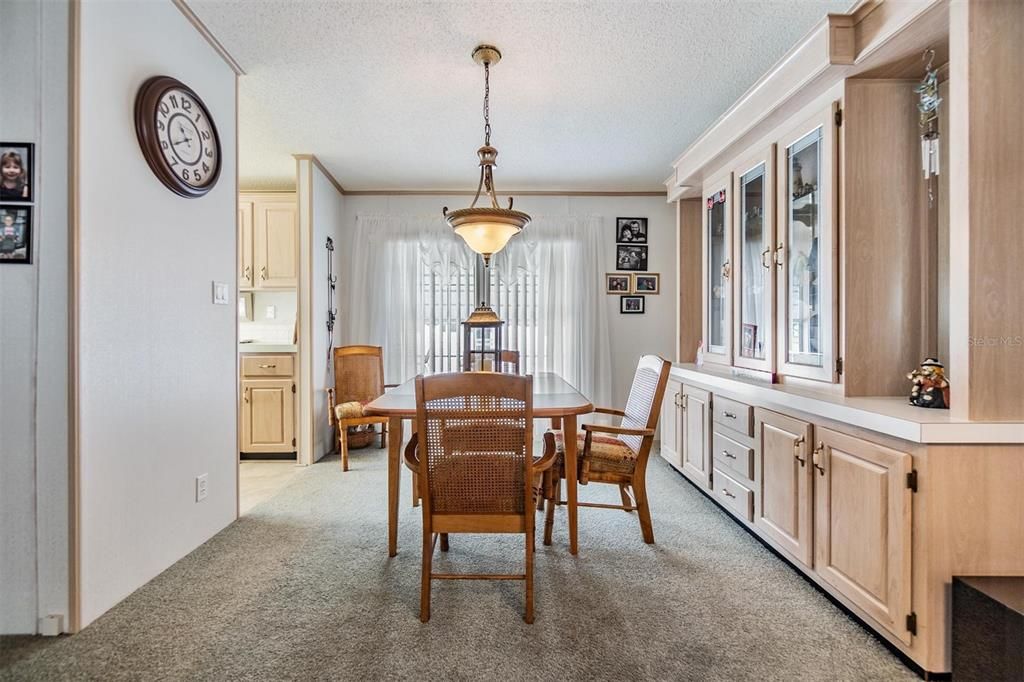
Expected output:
(257, 347)
(890, 415)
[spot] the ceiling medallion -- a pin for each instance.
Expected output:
(487, 230)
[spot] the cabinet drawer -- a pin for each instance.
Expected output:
(268, 365)
(733, 457)
(737, 416)
(733, 495)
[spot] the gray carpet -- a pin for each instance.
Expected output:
(302, 588)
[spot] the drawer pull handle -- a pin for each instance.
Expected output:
(728, 454)
(263, 272)
(816, 457)
(268, 366)
(728, 415)
(796, 451)
(779, 253)
(247, 273)
(725, 491)
(246, 395)
(766, 259)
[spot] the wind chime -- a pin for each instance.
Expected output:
(928, 108)
(332, 312)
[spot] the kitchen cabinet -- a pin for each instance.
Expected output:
(268, 404)
(783, 471)
(268, 241)
(717, 268)
(695, 437)
(671, 424)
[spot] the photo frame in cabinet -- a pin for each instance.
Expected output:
(17, 168)
(15, 234)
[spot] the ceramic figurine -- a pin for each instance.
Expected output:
(929, 385)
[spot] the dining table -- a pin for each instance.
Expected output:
(554, 398)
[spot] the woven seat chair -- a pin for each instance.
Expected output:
(473, 455)
(617, 454)
(509, 362)
(358, 380)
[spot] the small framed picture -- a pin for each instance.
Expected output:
(631, 230)
(614, 283)
(647, 283)
(748, 342)
(631, 305)
(16, 167)
(15, 234)
(629, 257)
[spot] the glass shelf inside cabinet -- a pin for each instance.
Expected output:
(803, 258)
(718, 274)
(754, 266)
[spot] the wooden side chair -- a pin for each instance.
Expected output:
(473, 455)
(617, 454)
(509, 361)
(358, 380)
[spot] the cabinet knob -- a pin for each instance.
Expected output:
(725, 491)
(728, 415)
(728, 454)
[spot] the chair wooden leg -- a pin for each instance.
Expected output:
(383, 436)
(415, 489)
(646, 527)
(444, 542)
(626, 501)
(343, 446)
(529, 576)
(549, 518)
(556, 423)
(428, 550)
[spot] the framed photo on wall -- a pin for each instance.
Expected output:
(15, 234)
(647, 283)
(632, 305)
(16, 171)
(628, 257)
(631, 230)
(614, 283)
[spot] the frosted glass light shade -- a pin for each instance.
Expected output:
(487, 230)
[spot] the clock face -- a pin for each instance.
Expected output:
(187, 138)
(177, 136)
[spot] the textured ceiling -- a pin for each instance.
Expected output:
(595, 95)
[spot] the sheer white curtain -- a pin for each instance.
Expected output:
(410, 281)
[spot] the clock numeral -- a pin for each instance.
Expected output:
(198, 116)
(186, 104)
(174, 101)
(159, 124)
(174, 161)
(209, 153)
(164, 109)
(206, 169)
(184, 174)
(206, 134)
(163, 144)
(196, 176)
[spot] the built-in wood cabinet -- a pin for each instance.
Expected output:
(862, 525)
(268, 404)
(671, 424)
(268, 241)
(695, 437)
(783, 471)
(717, 268)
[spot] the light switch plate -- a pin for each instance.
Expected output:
(221, 293)
(201, 487)
(271, 313)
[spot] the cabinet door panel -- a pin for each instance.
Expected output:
(268, 416)
(696, 436)
(246, 269)
(670, 424)
(717, 268)
(783, 471)
(276, 241)
(862, 525)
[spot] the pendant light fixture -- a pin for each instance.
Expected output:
(487, 230)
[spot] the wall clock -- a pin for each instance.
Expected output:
(177, 136)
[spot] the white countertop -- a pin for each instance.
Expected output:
(257, 347)
(893, 416)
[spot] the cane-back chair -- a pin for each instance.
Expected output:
(473, 455)
(358, 380)
(509, 361)
(617, 454)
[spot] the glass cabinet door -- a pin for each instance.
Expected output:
(754, 301)
(805, 252)
(717, 272)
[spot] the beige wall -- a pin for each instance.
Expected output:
(157, 391)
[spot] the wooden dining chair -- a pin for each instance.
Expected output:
(358, 380)
(617, 454)
(509, 360)
(473, 455)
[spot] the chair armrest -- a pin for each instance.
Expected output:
(412, 458)
(392, 385)
(610, 410)
(330, 407)
(617, 430)
(545, 462)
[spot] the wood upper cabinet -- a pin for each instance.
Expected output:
(862, 524)
(783, 470)
(717, 269)
(246, 269)
(268, 422)
(806, 249)
(671, 424)
(753, 306)
(695, 437)
(268, 242)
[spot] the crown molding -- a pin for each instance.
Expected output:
(316, 162)
(518, 193)
(210, 38)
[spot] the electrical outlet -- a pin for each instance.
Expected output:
(201, 487)
(271, 312)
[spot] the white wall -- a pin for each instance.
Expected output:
(631, 335)
(157, 393)
(33, 326)
(321, 213)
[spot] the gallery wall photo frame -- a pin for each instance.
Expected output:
(631, 230)
(15, 233)
(618, 283)
(632, 305)
(17, 172)
(631, 257)
(647, 283)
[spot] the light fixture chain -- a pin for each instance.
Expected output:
(487, 104)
